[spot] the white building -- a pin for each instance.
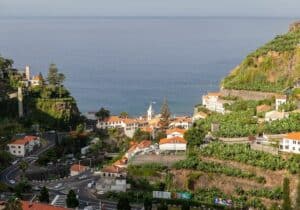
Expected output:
(181, 122)
(150, 112)
(213, 102)
(275, 115)
(22, 147)
(290, 143)
(175, 132)
(198, 116)
(77, 169)
(128, 124)
(279, 100)
(173, 144)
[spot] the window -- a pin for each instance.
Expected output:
(19, 147)
(293, 148)
(294, 142)
(286, 147)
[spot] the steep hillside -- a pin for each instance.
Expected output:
(271, 68)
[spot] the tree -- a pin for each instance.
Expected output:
(103, 114)
(123, 204)
(147, 204)
(23, 166)
(162, 206)
(165, 114)
(72, 201)
(286, 195)
(13, 204)
(140, 135)
(52, 77)
(185, 206)
(80, 128)
(124, 115)
(297, 207)
(44, 195)
(195, 136)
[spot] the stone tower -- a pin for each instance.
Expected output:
(150, 112)
(27, 72)
(20, 102)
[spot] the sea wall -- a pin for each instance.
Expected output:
(247, 95)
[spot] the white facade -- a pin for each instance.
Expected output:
(175, 134)
(184, 123)
(22, 147)
(129, 125)
(172, 147)
(275, 115)
(213, 102)
(150, 113)
(279, 101)
(290, 145)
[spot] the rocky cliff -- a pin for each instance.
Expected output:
(273, 67)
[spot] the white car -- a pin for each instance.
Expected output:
(12, 181)
(82, 177)
(58, 186)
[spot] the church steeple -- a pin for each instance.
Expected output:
(150, 112)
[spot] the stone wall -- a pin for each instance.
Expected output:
(247, 95)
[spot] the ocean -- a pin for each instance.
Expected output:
(124, 63)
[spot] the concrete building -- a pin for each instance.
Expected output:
(279, 100)
(22, 147)
(275, 115)
(290, 143)
(181, 122)
(173, 144)
(175, 132)
(213, 102)
(77, 169)
(129, 125)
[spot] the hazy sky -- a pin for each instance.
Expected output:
(288, 8)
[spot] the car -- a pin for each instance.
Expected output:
(82, 177)
(100, 192)
(36, 188)
(58, 185)
(12, 181)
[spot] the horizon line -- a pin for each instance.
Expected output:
(147, 16)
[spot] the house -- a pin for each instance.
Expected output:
(199, 115)
(36, 80)
(136, 148)
(22, 147)
(129, 125)
(182, 122)
(290, 143)
(77, 169)
(28, 205)
(112, 171)
(173, 144)
(213, 102)
(122, 163)
(263, 108)
(112, 184)
(275, 115)
(175, 132)
(279, 100)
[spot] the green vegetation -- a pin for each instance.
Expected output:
(165, 114)
(271, 68)
(297, 205)
(145, 170)
(286, 195)
(5, 159)
(273, 194)
(103, 114)
(13, 204)
(285, 125)
(195, 163)
(44, 195)
(243, 153)
(72, 201)
(123, 204)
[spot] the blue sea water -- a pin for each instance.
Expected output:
(123, 63)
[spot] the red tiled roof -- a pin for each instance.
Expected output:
(173, 130)
(111, 169)
(26, 205)
(280, 96)
(214, 94)
(144, 144)
(78, 168)
(25, 140)
(293, 136)
(174, 140)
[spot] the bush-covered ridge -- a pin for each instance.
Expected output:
(271, 68)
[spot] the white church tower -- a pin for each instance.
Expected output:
(150, 112)
(27, 72)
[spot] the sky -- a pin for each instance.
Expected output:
(269, 8)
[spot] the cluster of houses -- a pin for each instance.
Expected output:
(31, 81)
(23, 146)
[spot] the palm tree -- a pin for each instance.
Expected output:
(13, 204)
